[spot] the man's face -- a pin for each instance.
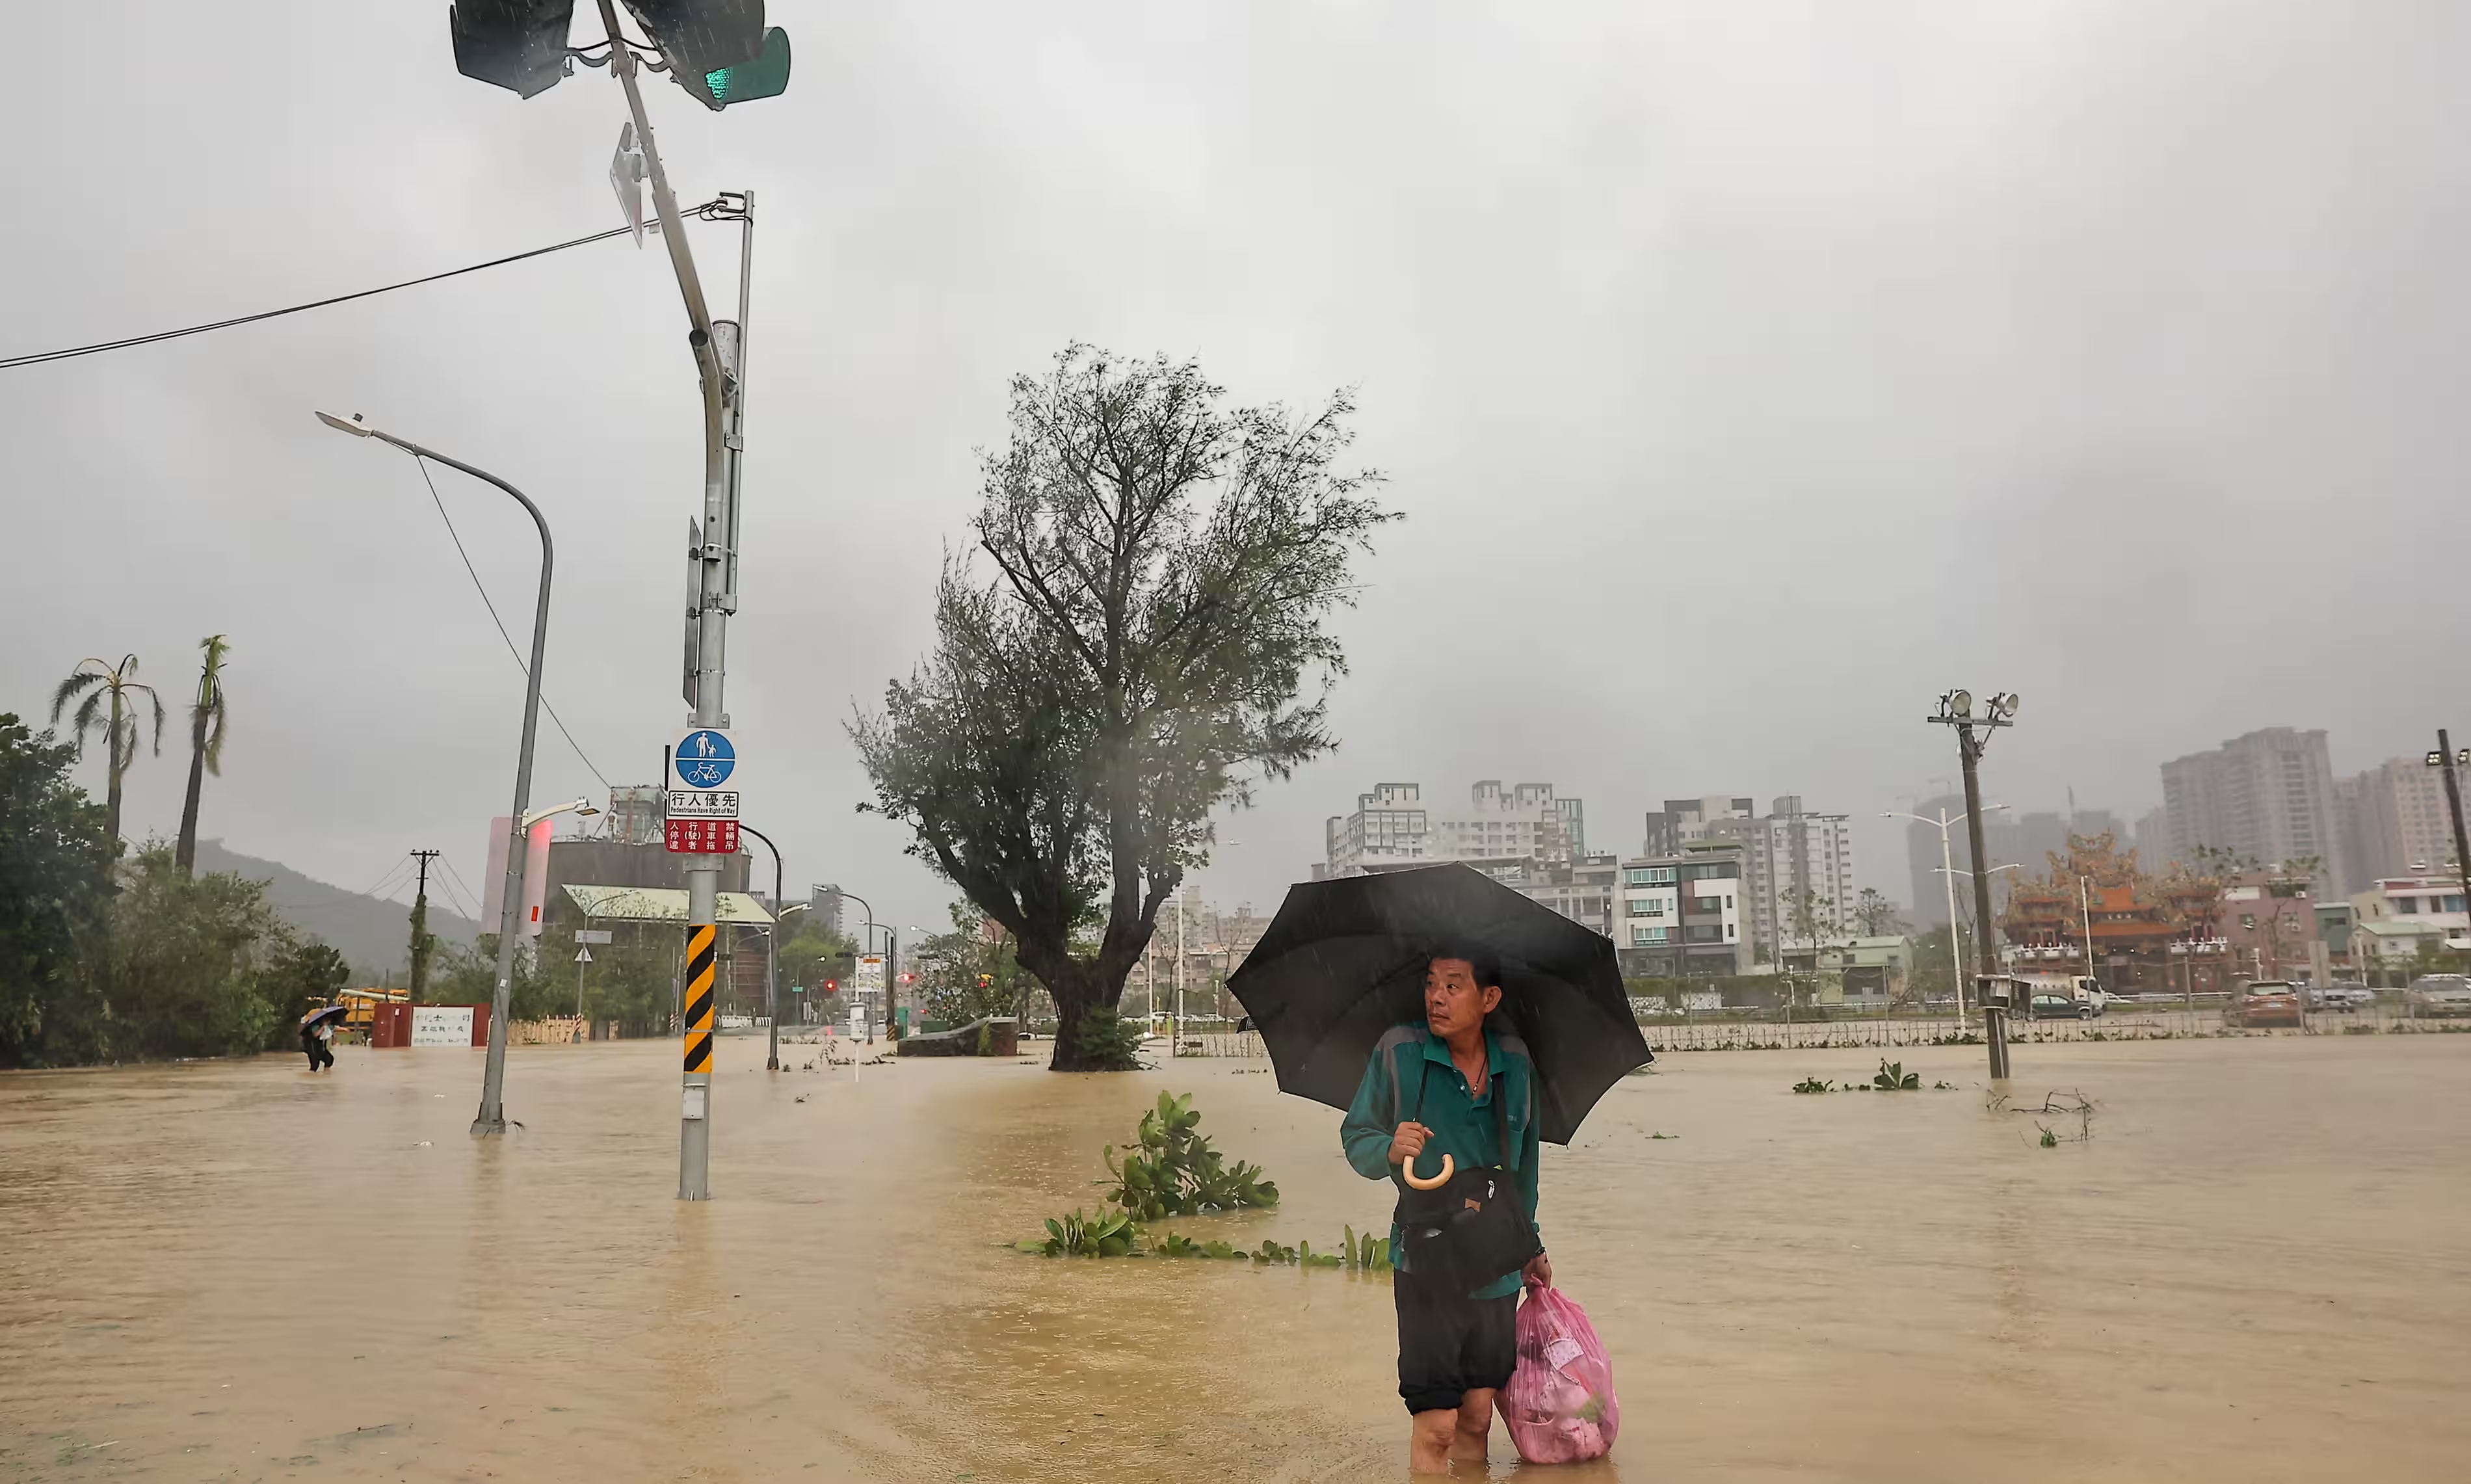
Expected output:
(1455, 1003)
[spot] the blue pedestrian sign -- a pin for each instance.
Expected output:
(704, 759)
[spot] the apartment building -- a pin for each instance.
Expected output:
(1685, 912)
(1503, 829)
(2268, 795)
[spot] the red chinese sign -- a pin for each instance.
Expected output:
(702, 836)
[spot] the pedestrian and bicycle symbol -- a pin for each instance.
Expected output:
(704, 759)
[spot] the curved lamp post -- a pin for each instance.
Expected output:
(492, 1116)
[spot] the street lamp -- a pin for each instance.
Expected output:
(1956, 712)
(492, 1116)
(866, 944)
(1947, 868)
(772, 952)
(582, 807)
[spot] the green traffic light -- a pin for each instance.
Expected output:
(767, 76)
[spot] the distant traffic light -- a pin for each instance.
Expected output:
(515, 44)
(831, 986)
(909, 979)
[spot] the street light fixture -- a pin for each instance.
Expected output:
(772, 952)
(1947, 867)
(492, 1116)
(579, 806)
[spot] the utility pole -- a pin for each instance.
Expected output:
(716, 599)
(891, 984)
(722, 53)
(2446, 757)
(1956, 711)
(420, 939)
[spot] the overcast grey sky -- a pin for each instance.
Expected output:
(1748, 373)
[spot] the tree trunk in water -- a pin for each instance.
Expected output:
(1069, 1012)
(1078, 993)
(186, 853)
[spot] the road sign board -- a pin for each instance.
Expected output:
(583, 955)
(700, 837)
(626, 171)
(592, 934)
(703, 803)
(703, 758)
(870, 971)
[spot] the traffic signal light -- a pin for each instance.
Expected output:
(766, 74)
(831, 986)
(720, 51)
(515, 44)
(909, 979)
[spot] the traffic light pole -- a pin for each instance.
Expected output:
(716, 598)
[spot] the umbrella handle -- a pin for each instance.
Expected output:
(1407, 1171)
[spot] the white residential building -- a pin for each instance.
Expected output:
(1784, 851)
(1684, 912)
(1792, 850)
(1502, 830)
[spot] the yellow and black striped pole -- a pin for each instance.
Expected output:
(696, 1129)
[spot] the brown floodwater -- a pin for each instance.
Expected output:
(2256, 1269)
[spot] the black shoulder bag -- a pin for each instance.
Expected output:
(1473, 1226)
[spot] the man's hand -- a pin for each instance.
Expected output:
(1408, 1142)
(1539, 1272)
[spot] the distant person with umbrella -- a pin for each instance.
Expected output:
(1461, 1026)
(318, 1034)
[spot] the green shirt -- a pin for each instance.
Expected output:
(1410, 1057)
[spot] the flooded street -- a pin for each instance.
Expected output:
(2255, 1269)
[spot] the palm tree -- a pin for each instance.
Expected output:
(117, 687)
(206, 745)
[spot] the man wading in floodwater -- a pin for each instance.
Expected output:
(1449, 1087)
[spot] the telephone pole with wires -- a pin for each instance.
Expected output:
(421, 941)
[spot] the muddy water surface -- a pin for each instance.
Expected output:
(2254, 1270)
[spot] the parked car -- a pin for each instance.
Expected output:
(2059, 1007)
(2264, 1002)
(2439, 994)
(2341, 996)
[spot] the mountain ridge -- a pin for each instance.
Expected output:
(373, 932)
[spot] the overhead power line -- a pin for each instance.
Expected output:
(36, 358)
(520, 665)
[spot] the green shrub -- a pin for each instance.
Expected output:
(1171, 1170)
(1102, 1235)
(1107, 1042)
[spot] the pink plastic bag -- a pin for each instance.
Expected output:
(1560, 1401)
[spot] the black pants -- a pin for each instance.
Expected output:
(319, 1053)
(1450, 1344)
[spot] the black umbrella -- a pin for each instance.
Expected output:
(1345, 960)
